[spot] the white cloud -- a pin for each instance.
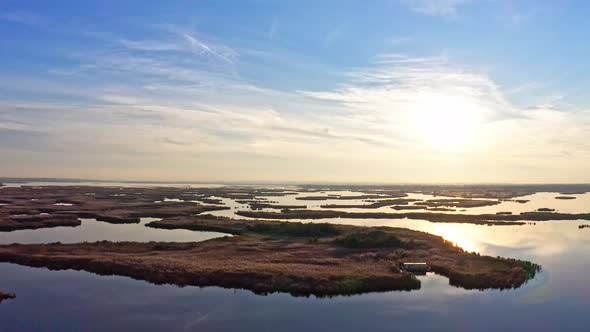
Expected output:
(437, 109)
(179, 94)
(182, 40)
(446, 8)
(398, 91)
(224, 53)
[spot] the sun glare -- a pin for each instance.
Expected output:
(447, 123)
(457, 236)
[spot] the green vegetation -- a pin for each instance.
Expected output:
(350, 286)
(297, 229)
(530, 269)
(474, 279)
(372, 239)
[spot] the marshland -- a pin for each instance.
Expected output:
(156, 238)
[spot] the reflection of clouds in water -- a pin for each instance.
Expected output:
(198, 318)
(435, 284)
(434, 288)
(560, 290)
(535, 291)
(92, 230)
(504, 250)
(535, 201)
(539, 200)
(545, 239)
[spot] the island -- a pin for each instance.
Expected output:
(6, 296)
(53, 206)
(373, 205)
(480, 219)
(271, 256)
(33, 207)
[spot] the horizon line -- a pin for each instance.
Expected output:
(299, 183)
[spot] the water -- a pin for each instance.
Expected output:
(92, 231)
(558, 299)
(535, 201)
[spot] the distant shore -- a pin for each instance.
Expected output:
(33, 207)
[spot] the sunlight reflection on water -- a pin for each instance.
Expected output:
(561, 290)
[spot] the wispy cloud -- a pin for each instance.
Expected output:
(447, 8)
(186, 94)
(416, 97)
(185, 41)
(198, 46)
(397, 86)
(150, 45)
(26, 18)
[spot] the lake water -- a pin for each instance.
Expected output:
(558, 299)
(92, 231)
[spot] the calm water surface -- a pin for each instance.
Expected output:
(92, 231)
(557, 300)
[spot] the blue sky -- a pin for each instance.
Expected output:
(346, 91)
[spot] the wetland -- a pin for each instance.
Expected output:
(335, 246)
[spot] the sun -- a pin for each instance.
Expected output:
(447, 123)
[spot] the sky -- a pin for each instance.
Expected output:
(392, 91)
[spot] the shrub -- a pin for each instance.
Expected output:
(372, 239)
(294, 229)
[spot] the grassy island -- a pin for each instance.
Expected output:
(53, 206)
(480, 219)
(33, 207)
(272, 256)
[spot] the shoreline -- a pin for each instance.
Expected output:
(481, 219)
(272, 256)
